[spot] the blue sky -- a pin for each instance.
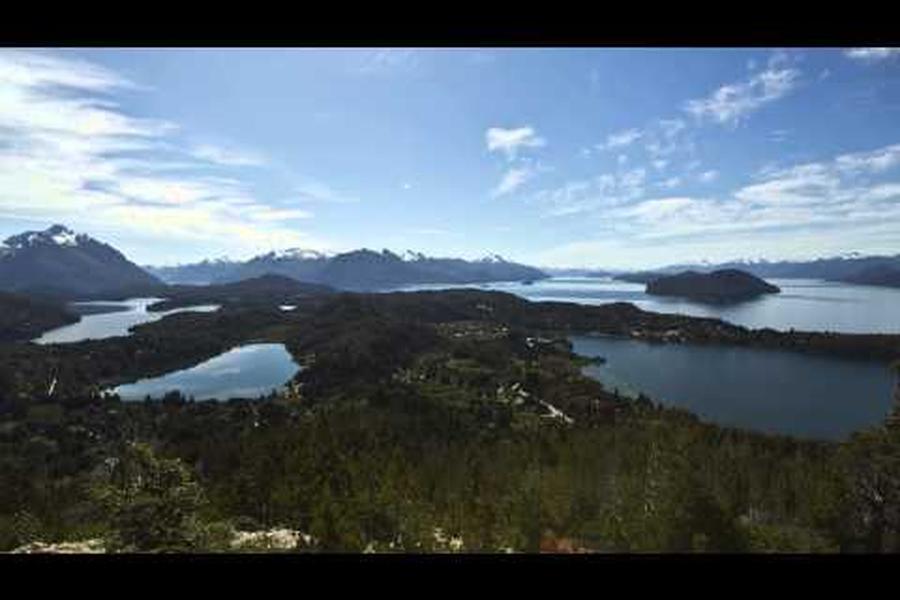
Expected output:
(624, 158)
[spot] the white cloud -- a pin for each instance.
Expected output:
(870, 55)
(512, 180)
(875, 161)
(589, 195)
(731, 103)
(511, 141)
(29, 69)
(657, 209)
(666, 137)
(226, 156)
(671, 127)
(620, 139)
(70, 153)
(851, 201)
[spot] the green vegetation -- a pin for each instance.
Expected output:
(23, 318)
(458, 411)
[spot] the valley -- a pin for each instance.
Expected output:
(224, 378)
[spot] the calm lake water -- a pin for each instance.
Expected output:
(803, 304)
(765, 390)
(117, 319)
(244, 372)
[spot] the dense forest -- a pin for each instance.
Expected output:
(440, 421)
(23, 317)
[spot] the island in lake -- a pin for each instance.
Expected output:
(727, 285)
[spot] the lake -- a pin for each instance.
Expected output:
(103, 319)
(243, 372)
(803, 304)
(765, 390)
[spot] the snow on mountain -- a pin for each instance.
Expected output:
(412, 256)
(58, 235)
(59, 261)
(65, 237)
(295, 254)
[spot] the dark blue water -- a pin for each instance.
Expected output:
(766, 390)
(244, 372)
(803, 304)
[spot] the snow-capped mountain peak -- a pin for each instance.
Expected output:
(295, 254)
(57, 235)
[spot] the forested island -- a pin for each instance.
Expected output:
(726, 285)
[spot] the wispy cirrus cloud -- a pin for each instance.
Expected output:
(871, 55)
(70, 152)
(512, 180)
(874, 161)
(620, 139)
(848, 201)
(604, 191)
(510, 143)
(732, 102)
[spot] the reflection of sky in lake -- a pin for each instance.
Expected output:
(111, 324)
(247, 371)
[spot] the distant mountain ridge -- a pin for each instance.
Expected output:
(884, 275)
(358, 270)
(57, 262)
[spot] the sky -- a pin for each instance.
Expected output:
(558, 157)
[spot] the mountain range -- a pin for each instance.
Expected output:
(357, 270)
(58, 263)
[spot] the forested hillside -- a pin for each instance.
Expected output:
(417, 419)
